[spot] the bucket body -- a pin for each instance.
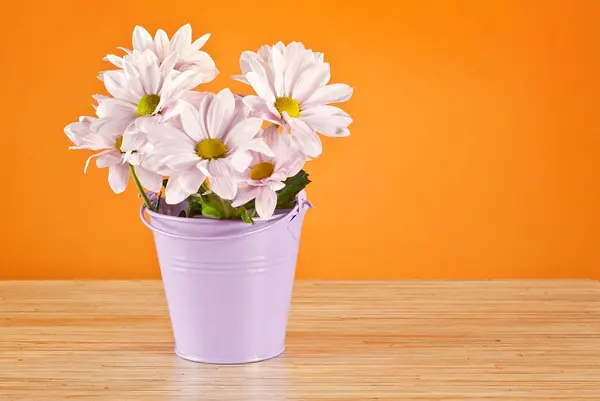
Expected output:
(228, 284)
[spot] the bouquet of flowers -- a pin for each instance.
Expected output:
(229, 156)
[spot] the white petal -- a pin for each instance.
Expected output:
(262, 69)
(132, 79)
(279, 143)
(190, 121)
(157, 163)
(147, 123)
(133, 158)
(99, 98)
(182, 83)
(182, 161)
(191, 180)
(266, 201)
(260, 146)
(149, 72)
(276, 185)
(309, 143)
(328, 120)
(203, 112)
(241, 134)
(125, 50)
(225, 187)
(203, 167)
(259, 108)
(133, 142)
(182, 37)
(149, 179)
(108, 158)
(278, 69)
(113, 85)
(342, 132)
(241, 160)
(220, 168)
(260, 86)
(89, 159)
(240, 78)
(116, 108)
(309, 81)
(195, 98)
(161, 41)
(77, 131)
(306, 140)
(244, 196)
(291, 164)
(201, 64)
(175, 192)
(333, 93)
(114, 60)
(198, 43)
(245, 61)
(220, 112)
(106, 130)
(295, 67)
(118, 176)
(141, 39)
(264, 52)
(166, 67)
(168, 133)
(279, 46)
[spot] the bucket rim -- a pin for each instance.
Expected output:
(301, 205)
(192, 220)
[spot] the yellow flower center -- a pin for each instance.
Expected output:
(289, 105)
(119, 143)
(211, 149)
(261, 171)
(147, 105)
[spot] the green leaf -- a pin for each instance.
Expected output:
(245, 216)
(157, 204)
(194, 207)
(214, 207)
(289, 205)
(286, 197)
(203, 188)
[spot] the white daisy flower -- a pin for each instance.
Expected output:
(145, 91)
(266, 175)
(213, 143)
(85, 135)
(291, 84)
(189, 55)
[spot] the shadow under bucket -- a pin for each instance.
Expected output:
(228, 283)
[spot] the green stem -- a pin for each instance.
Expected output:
(140, 188)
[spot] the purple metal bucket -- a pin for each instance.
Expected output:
(228, 284)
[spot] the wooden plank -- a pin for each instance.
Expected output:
(490, 340)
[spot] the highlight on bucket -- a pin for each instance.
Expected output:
(217, 173)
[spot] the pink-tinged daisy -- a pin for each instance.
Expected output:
(213, 142)
(145, 91)
(291, 84)
(85, 135)
(189, 55)
(266, 175)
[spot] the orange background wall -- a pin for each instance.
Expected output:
(474, 151)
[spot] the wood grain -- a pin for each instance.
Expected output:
(491, 340)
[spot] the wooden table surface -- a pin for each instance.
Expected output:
(489, 340)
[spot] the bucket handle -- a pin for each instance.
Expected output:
(302, 204)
